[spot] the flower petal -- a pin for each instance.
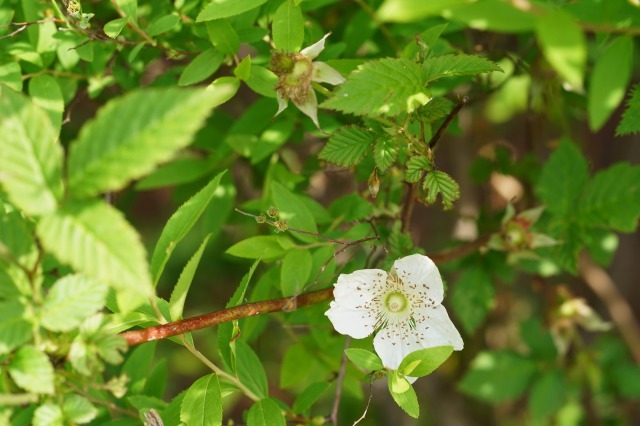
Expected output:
(357, 323)
(435, 329)
(309, 107)
(323, 73)
(314, 50)
(421, 277)
(282, 103)
(354, 290)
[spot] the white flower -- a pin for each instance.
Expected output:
(404, 306)
(295, 73)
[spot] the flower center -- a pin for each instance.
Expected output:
(396, 302)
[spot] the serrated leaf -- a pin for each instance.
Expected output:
(223, 36)
(562, 179)
(265, 413)
(612, 199)
(498, 376)
(202, 67)
(202, 404)
(225, 8)
(78, 409)
(383, 87)
(295, 271)
(563, 45)
(31, 369)
(179, 224)
(152, 125)
(364, 359)
(288, 27)
(473, 297)
(48, 414)
(96, 240)
(179, 293)
(385, 153)
(14, 329)
(438, 182)
(437, 108)
(424, 361)
(265, 247)
(457, 65)
(630, 123)
(416, 167)
(347, 146)
(608, 81)
(31, 159)
(406, 400)
(72, 299)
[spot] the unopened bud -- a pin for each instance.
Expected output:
(272, 211)
(374, 183)
(261, 218)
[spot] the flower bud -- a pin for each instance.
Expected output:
(374, 183)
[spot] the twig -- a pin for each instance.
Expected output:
(407, 208)
(285, 304)
(132, 23)
(340, 381)
(605, 288)
(23, 26)
(368, 402)
(447, 121)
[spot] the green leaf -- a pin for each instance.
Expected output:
(267, 248)
(265, 413)
(609, 80)
(612, 199)
(178, 172)
(424, 361)
(72, 299)
(45, 93)
(223, 36)
(162, 25)
(262, 81)
(17, 240)
(14, 329)
(406, 400)
(295, 271)
(547, 395)
(138, 366)
(78, 409)
(498, 376)
(457, 65)
(179, 224)
(437, 108)
(347, 146)
(106, 156)
(630, 123)
(386, 87)
(31, 159)
(437, 182)
(294, 211)
(250, 370)
(201, 68)
(96, 240)
(225, 8)
(413, 10)
(309, 396)
(416, 167)
(385, 153)
(48, 414)
(538, 339)
(291, 375)
(202, 405)
(493, 15)
(364, 359)
(113, 28)
(31, 369)
(243, 69)
(563, 177)
(11, 75)
(563, 45)
(179, 293)
(473, 297)
(288, 27)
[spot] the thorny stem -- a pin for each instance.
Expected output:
(436, 137)
(285, 304)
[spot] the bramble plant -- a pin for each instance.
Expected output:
(294, 252)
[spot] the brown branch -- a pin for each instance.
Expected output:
(340, 381)
(407, 208)
(447, 121)
(285, 304)
(605, 288)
